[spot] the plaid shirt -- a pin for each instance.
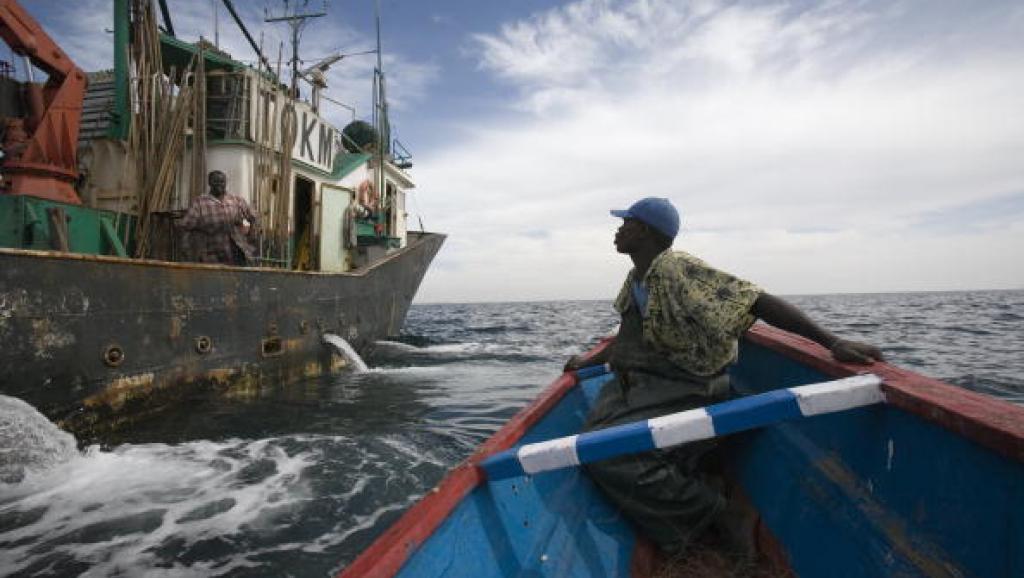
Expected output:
(216, 229)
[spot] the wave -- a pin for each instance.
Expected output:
(152, 508)
(407, 369)
(113, 509)
(413, 340)
(396, 345)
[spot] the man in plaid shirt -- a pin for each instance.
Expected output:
(222, 225)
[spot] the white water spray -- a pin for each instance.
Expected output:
(116, 511)
(29, 443)
(345, 349)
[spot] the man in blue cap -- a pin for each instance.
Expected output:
(681, 322)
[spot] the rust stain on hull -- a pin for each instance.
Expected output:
(122, 390)
(130, 398)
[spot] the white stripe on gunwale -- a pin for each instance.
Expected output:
(838, 395)
(696, 424)
(550, 455)
(682, 427)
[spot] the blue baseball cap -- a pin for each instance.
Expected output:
(654, 211)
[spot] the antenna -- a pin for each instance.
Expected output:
(296, 19)
(216, 24)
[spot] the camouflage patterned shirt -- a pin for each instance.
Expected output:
(695, 313)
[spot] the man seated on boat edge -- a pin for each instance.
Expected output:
(681, 322)
(222, 225)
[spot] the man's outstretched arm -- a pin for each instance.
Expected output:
(777, 312)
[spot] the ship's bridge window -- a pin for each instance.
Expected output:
(227, 106)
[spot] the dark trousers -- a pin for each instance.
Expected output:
(664, 492)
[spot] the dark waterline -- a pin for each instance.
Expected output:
(298, 480)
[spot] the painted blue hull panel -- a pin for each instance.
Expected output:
(877, 491)
(929, 484)
(555, 525)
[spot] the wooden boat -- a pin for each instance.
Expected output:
(928, 483)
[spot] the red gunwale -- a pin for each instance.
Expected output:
(991, 422)
(994, 423)
(385, 557)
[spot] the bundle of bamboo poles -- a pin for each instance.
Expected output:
(266, 180)
(262, 151)
(274, 135)
(281, 208)
(163, 105)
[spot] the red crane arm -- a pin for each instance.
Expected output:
(41, 151)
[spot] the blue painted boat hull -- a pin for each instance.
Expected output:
(929, 484)
(557, 524)
(877, 491)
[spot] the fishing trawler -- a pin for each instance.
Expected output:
(104, 315)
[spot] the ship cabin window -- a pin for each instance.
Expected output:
(227, 106)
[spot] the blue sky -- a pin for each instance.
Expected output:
(812, 147)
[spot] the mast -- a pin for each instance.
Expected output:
(296, 20)
(216, 24)
(380, 119)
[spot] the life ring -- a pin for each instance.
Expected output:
(367, 195)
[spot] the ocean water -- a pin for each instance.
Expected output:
(296, 481)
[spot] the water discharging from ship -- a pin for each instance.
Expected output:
(345, 349)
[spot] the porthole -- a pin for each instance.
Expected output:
(113, 356)
(204, 345)
(272, 347)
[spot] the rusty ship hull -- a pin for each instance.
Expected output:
(97, 341)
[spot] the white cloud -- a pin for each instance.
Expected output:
(79, 28)
(802, 145)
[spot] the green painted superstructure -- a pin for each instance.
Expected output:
(25, 224)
